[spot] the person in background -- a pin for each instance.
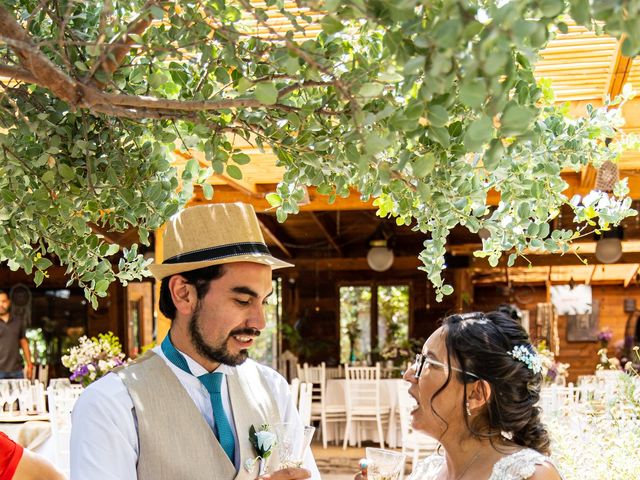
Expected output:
(12, 338)
(16, 463)
(476, 383)
(186, 408)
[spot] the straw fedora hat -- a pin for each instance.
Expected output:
(213, 234)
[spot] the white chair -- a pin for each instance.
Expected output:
(62, 398)
(287, 365)
(334, 372)
(420, 443)
(294, 389)
(320, 411)
(304, 403)
(362, 395)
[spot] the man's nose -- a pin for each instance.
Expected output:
(258, 318)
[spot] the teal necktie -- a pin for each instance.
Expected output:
(212, 382)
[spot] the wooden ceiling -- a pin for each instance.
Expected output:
(583, 69)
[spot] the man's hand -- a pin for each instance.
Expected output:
(287, 474)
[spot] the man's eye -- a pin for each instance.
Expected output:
(242, 302)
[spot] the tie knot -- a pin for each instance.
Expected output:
(212, 381)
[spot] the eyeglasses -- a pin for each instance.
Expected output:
(422, 360)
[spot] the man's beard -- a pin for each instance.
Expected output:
(218, 353)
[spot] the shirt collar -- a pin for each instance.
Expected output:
(196, 368)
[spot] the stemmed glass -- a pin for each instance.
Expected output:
(4, 393)
(12, 394)
(292, 443)
(384, 464)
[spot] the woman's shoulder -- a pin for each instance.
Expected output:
(427, 468)
(525, 464)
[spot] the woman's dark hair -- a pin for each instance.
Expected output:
(200, 278)
(480, 343)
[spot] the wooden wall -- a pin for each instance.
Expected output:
(582, 356)
(311, 301)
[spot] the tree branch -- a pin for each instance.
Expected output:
(17, 74)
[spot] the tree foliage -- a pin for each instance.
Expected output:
(425, 106)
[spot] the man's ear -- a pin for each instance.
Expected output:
(478, 394)
(183, 295)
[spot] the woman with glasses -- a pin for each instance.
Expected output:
(477, 383)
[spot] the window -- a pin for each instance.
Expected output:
(359, 305)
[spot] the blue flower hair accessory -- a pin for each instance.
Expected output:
(526, 356)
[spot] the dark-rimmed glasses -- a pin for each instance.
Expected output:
(421, 360)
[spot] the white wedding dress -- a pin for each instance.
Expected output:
(520, 465)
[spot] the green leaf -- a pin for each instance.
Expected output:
(158, 79)
(478, 133)
(473, 93)
(234, 172)
(371, 89)
(266, 93)
(274, 199)
(331, 25)
(157, 12)
(438, 115)
(207, 191)
(101, 286)
(241, 158)
(423, 166)
(66, 171)
(516, 120)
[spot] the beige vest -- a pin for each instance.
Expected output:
(175, 442)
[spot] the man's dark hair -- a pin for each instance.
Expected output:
(2, 290)
(200, 278)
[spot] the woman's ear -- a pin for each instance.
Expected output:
(478, 395)
(183, 295)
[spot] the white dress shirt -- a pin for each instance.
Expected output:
(104, 437)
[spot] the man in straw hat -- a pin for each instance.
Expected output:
(184, 410)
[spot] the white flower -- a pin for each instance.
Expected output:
(265, 440)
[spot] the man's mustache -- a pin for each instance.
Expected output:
(254, 332)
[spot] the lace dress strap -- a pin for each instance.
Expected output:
(519, 465)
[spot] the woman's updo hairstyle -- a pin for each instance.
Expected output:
(481, 343)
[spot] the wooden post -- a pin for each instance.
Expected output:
(463, 289)
(163, 324)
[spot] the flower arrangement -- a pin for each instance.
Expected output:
(94, 358)
(262, 439)
(552, 371)
(604, 336)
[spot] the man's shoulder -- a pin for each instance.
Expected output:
(103, 393)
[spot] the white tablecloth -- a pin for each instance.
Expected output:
(32, 434)
(335, 396)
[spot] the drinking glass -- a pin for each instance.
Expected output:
(4, 393)
(384, 464)
(292, 443)
(12, 394)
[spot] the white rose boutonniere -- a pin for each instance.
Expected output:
(262, 440)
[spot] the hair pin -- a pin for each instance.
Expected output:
(530, 359)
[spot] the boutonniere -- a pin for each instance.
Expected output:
(262, 440)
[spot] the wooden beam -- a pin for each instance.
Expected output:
(620, 72)
(552, 260)
(356, 263)
(592, 272)
(273, 231)
(325, 230)
(317, 201)
(587, 177)
(242, 187)
(632, 274)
